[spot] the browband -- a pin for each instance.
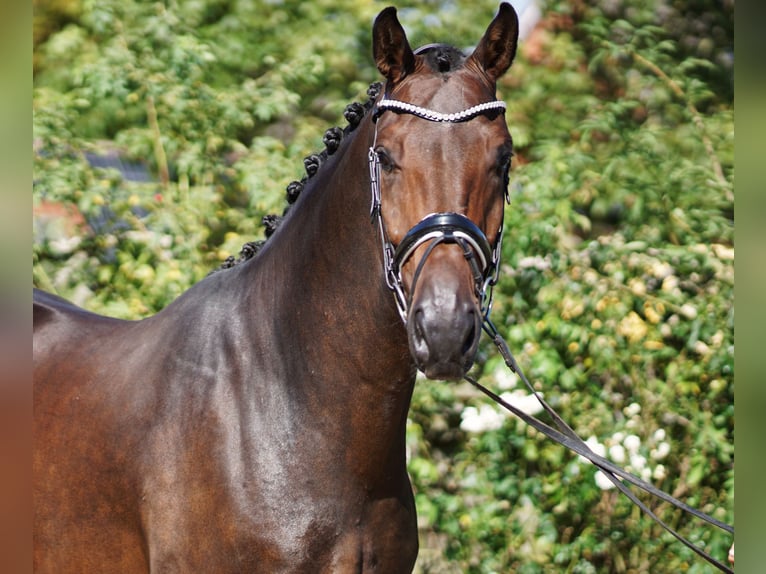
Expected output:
(434, 116)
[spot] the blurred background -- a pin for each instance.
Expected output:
(163, 132)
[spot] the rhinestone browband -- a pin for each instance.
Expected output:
(426, 114)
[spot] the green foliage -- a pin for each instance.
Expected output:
(617, 287)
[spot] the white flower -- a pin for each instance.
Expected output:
(701, 348)
(662, 450)
(660, 269)
(602, 481)
(723, 252)
(637, 462)
(659, 435)
(632, 410)
(669, 283)
(659, 472)
(632, 443)
(617, 453)
(646, 473)
(526, 403)
(469, 419)
(574, 469)
(65, 245)
(534, 262)
(595, 446)
(689, 311)
(482, 419)
(505, 378)
(717, 338)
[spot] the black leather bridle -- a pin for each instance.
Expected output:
(435, 228)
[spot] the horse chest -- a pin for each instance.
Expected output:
(296, 534)
(265, 506)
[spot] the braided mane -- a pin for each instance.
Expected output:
(354, 113)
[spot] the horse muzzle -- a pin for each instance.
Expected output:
(442, 314)
(443, 329)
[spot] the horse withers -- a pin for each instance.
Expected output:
(257, 424)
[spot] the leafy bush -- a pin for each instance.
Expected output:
(617, 286)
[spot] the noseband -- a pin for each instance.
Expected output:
(435, 228)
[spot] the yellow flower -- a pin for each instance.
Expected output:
(571, 308)
(638, 287)
(653, 313)
(633, 327)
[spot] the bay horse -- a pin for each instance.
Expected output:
(257, 423)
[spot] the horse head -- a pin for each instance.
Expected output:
(439, 167)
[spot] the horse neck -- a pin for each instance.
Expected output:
(330, 259)
(339, 334)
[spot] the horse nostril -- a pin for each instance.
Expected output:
(443, 344)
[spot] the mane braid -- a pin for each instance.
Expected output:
(354, 113)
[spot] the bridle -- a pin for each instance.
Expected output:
(435, 228)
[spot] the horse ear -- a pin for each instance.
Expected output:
(497, 48)
(390, 48)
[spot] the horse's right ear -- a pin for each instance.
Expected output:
(390, 48)
(497, 48)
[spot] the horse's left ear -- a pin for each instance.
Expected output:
(390, 47)
(497, 48)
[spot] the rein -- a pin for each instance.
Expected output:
(435, 228)
(568, 438)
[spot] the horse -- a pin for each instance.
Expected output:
(257, 423)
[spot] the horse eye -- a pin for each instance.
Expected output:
(386, 163)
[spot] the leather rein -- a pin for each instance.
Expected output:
(484, 260)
